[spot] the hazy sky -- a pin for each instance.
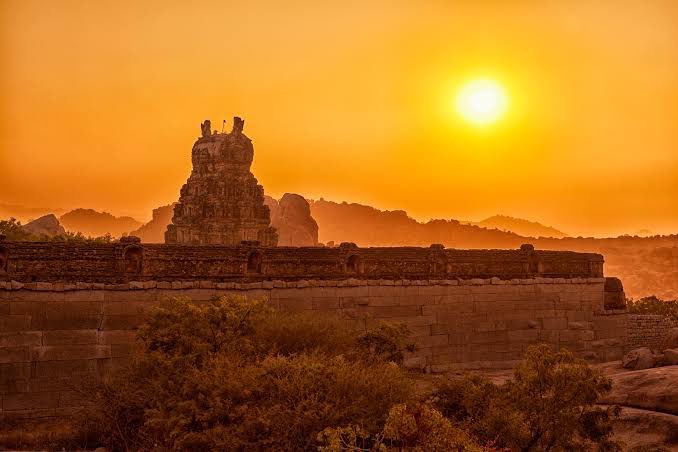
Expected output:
(101, 101)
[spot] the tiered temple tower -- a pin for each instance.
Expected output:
(221, 202)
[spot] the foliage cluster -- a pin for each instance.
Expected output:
(232, 374)
(14, 232)
(548, 405)
(416, 427)
(654, 305)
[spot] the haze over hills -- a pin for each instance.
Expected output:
(519, 226)
(93, 223)
(26, 214)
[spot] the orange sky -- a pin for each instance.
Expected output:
(101, 102)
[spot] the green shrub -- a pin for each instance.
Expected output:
(231, 374)
(549, 404)
(654, 305)
(14, 232)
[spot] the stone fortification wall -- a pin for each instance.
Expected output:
(646, 330)
(55, 334)
(129, 260)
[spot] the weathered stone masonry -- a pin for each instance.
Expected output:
(67, 312)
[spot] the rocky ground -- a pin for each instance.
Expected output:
(649, 401)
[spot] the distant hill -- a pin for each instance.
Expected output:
(93, 223)
(646, 265)
(367, 226)
(154, 230)
(519, 226)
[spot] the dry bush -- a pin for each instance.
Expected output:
(232, 374)
(549, 404)
(42, 434)
(415, 428)
(291, 333)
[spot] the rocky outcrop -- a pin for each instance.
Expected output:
(93, 223)
(291, 216)
(650, 389)
(639, 358)
(671, 357)
(46, 225)
(221, 202)
(154, 230)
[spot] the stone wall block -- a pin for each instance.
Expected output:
(120, 322)
(14, 323)
(69, 352)
(127, 307)
(383, 301)
(65, 368)
(30, 401)
(489, 337)
(69, 337)
(555, 323)
(20, 338)
(522, 336)
(296, 304)
(325, 304)
(430, 341)
(10, 355)
(384, 312)
(116, 337)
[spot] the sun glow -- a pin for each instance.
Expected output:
(482, 102)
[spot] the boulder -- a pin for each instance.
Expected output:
(650, 389)
(46, 225)
(639, 358)
(671, 356)
(291, 216)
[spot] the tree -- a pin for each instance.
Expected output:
(549, 404)
(14, 231)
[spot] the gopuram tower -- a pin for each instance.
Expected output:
(221, 202)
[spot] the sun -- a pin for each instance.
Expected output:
(482, 102)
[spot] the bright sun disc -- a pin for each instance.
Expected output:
(482, 102)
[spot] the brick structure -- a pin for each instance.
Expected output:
(647, 330)
(221, 202)
(130, 260)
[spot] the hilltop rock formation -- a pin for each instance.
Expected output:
(522, 227)
(291, 216)
(154, 230)
(46, 225)
(95, 224)
(221, 202)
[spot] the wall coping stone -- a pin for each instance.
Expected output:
(304, 283)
